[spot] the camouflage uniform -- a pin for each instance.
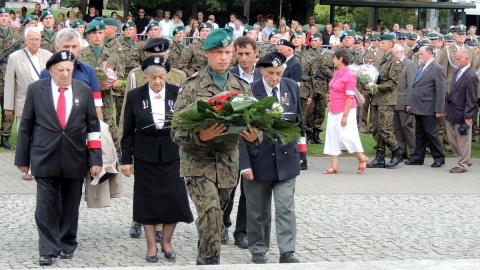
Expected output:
(48, 43)
(298, 55)
(192, 59)
(176, 51)
(135, 56)
(372, 58)
(210, 170)
(114, 45)
(5, 42)
(88, 57)
(384, 101)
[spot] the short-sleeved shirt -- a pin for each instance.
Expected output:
(89, 18)
(342, 85)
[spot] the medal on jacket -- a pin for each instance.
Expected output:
(145, 104)
(170, 103)
(285, 100)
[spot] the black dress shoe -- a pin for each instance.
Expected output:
(135, 230)
(158, 236)
(169, 255)
(241, 241)
(208, 261)
(437, 164)
(152, 259)
(288, 257)
(45, 260)
(224, 239)
(6, 144)
(259, 258)
(412, 162)
(66, 254)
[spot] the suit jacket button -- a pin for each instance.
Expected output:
(285, 153)
(273, 154)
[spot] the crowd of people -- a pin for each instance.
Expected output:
(137, 74)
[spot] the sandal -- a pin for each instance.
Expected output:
(362, 168)
(331, 171)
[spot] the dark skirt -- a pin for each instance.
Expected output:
(159, 194)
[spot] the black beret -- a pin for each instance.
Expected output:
(156, 60)
(274, 59)
(287, 43)
(156, 45)
(61, 56)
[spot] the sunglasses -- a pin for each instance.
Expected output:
(401, 38)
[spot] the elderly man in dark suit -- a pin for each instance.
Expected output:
(403, 121)
(59, 137)
(426, 101)
(460, 108)
(271, 167)
(246, 52)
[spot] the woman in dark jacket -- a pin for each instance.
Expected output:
(159, 195)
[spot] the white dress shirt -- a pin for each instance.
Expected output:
(36, 62)
(68, 99)
(245, 76)
(269, 89)
(158, 106)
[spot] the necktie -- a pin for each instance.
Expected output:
(419, 72)
(62, 107)
(274, 92)
(458, 76)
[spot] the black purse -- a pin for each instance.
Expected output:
(463, 128)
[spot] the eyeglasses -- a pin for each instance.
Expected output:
(401, 38)
(32, 40)
(141, 12)
(368, 31)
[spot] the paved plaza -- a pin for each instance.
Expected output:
(411, 217)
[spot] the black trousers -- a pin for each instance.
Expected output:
(426, 133)
(57, 232)
(241, 224)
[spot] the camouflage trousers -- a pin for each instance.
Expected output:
(382, 125)
(107, 111)
(210, 202)
(6, 129)
(118, 100)
(314, 114)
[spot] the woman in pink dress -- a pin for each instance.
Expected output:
(342, 132)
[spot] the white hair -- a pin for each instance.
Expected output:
(67, 34)
(154, 69)
(32, 29)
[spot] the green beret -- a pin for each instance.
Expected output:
(460, 29)
(274, 32)
(4, 10)
(110, 21)
(388, 36)
(28, 19)
(221, 37)
(248, 28)
(128, 24)
(95, 26)
(77, 22)
(205, 25)
(98, 19)
(61, 56)
(349, 33)
(45, 14)
(316, 35)
(150, 25)
(178, 29)
(297, 33)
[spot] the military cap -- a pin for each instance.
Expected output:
(150, 25)
(61, 56)
(177, 29)
(412, 36)
(449, 37)
(248, 28)
(401, 35)
(221, 37)
(95, 26)
(316, 35)
(110, 21)
(99, 19)
(349, 33)
(358, 39)
(77, 22)
(374, 36)
(156, 45)
(156, 60)
(460, 29)
(433, 35)
(296, 33)
(421, 43)
(45, 14)
(28, 19)
(273, 59)
(287, 43)
(128, 24)
(471, 41)
(389, 36)
(273, 33)
(4, 10)
(205, 25)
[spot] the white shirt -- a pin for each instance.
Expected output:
(238, 32)
(68, 99)
(426, 64)
(158, 106)
(269, 89)
(166, 28)
(36, 62)
(461, 72)
(245, 76)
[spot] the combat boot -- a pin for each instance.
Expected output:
(379, 161)
(396, 158)
(6, 144)
(310, 139)
(316, 136)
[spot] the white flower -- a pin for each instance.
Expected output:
(277, 107)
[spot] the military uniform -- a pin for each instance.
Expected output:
(135, 56)
(88, 57)
(176, 50)
(6, 41)
(383, 107)
(48, 42)
(114, 45)
(192, 59)
(372, 57)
